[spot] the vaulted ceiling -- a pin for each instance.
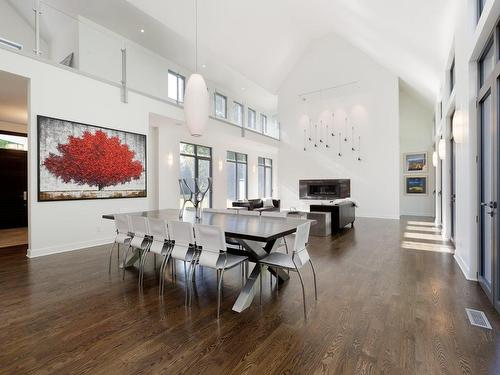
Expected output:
(263, 39)
(255, 44)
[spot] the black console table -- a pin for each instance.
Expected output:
(342, 214)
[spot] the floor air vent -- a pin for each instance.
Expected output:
(478, 318)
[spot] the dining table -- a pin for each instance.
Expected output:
(258, 236)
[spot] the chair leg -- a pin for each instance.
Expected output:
(303, 292)
(314, 277)
(110, 255)
(286, 245)
(260, 282)
(118, 255)
(141, 266)
(163, 274)
(219, 289)
(124, 260)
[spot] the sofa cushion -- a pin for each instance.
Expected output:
(268, 202)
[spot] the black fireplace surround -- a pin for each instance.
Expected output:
(325, 189)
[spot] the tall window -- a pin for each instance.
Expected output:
(452, 76)
(238, 113)
(220, 105)
(480, 7)
(251, 118)
(265, 166)
(486, 63)
(196, 162)
(237, 176)
(263, 123)
(176, 84)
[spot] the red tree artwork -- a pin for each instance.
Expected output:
(95, 160)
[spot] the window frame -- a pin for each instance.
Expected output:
(179, 77)
(479, 9)
(218, 94)
(236, 163)
(261, 163)
(452, 75)
(239, 105)
(196, 158)
(263, 124)
(250, 110)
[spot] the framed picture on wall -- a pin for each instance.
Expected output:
(416, 185)
(415, 162)
(79, 161)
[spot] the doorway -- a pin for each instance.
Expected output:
(13, 162)
(453, 187)
(488, 162)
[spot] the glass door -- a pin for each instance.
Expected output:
(487, 200)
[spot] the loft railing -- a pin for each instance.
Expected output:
(37, 27)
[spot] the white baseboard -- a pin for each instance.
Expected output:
(463, 267)
(34, 253)
(374, 216)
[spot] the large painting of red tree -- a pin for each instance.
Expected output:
(94, 159)
(80, 161)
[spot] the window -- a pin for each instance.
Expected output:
(238, 113)
(196, 162)
(251, 119)
(452, 76)
(13, 141)
(263, 123)
(220, 106)
(480, 7)
(176, 86)
(486, 63)
(265, 166)
(237, 176)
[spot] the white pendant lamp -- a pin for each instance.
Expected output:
(196, 100)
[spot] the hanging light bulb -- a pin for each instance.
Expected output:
(442, 149)
(196, 100)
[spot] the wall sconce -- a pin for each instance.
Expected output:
(442, 149)
(458, 126)
(221, 165)
(434, 159)
(170, 159)
(254, 168)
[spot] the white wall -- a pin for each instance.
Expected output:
(62, 226)
(416, 127)
(373, 108)
(469, 40)
(16, 29)
(13, 127)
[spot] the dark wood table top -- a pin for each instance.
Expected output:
(255, 228)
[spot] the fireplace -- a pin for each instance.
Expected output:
(325, 189)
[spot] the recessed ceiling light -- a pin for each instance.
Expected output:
(142, 31)
(203, 65)
(243, 88)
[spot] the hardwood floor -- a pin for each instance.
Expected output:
(382, 309)
(13, 237)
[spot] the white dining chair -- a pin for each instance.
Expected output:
(183, 248)
(140, 241)
(295, 262)
(249, 213)
(160, 241)
(212, 253)
(123, 236)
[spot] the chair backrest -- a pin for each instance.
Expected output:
(300, 245)
(158, 229)
(181, 232)
(283, 214)
(140, 226)
(249, 213)
(122, 224)
(212, 241)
